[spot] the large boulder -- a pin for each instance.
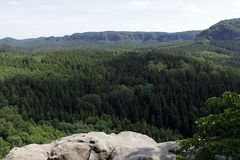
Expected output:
(97, 146)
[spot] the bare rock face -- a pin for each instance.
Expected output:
(97, 146)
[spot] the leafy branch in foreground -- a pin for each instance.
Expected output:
(218, 133)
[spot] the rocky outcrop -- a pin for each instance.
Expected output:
(97, 146)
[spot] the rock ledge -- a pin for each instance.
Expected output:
(97, 146)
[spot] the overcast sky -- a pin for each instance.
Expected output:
(33, 18)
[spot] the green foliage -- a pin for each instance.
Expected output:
(164, 87)
(158, 92)
(178, 157)
(156, 66)
(14, 131)
(218, 133)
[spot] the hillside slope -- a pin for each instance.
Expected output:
(225, 34)
(224, 30)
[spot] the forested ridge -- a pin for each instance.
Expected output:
(107, 39)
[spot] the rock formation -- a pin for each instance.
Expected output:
(97, 146)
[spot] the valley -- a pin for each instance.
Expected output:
(156, 84)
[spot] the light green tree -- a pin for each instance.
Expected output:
(218, 133)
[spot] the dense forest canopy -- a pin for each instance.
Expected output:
(140, 85)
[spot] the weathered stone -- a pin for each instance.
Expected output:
(97, 146)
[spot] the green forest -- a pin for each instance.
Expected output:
(161, 92)
(218, 133)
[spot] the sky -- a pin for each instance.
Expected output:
(34, 18)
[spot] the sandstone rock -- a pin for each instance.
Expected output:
(97, 146)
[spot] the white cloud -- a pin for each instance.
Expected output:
(236, 3)
(96, 11)
(180, 3)
(14, 3)
(193, 8)
(140, 3)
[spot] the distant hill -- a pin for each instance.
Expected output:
(224, 30)
(134, 36)
(225, 34)
(106, 39)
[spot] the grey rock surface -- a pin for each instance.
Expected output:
(97, 146)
